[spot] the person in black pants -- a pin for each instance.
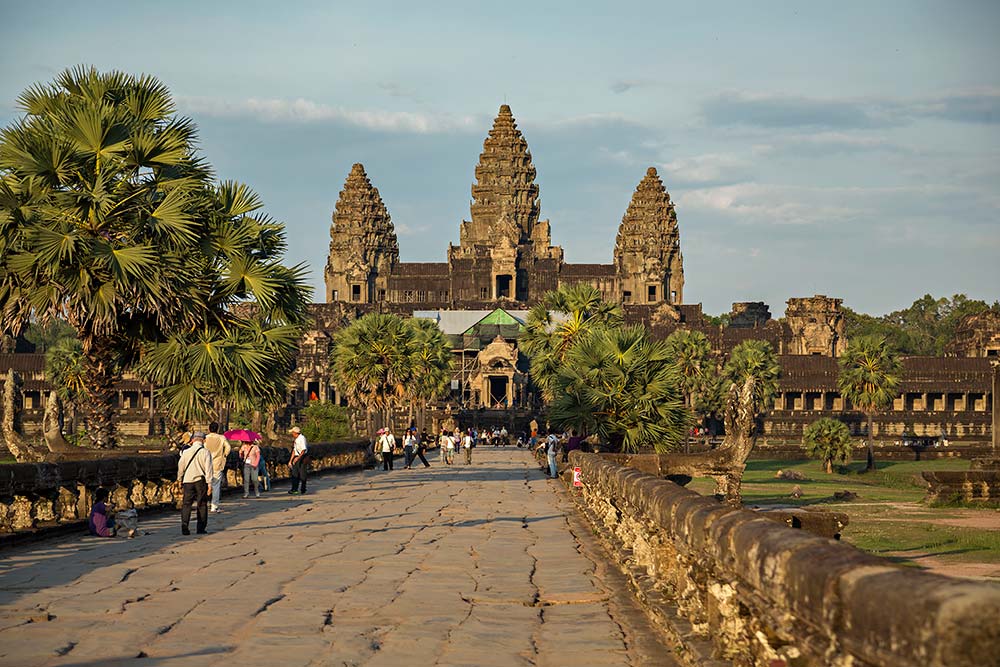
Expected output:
(298, 465)
(194, 469)
(422, 447)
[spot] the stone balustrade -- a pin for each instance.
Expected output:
(42, 495)
(731, 587)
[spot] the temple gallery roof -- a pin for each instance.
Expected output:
(457, 322)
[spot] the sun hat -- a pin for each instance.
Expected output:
(296, 429)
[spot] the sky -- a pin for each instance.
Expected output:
(850, 149)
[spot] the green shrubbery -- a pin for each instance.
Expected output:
(325, 422)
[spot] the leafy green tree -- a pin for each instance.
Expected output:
(622, 386)
(870, 377)
(109, 220)
(325, 422)
(45, 335)
(555, 325)
(828, 440)
(925, 328)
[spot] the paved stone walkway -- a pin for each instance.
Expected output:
(480, 565)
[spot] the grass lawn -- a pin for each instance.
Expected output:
(889, 518)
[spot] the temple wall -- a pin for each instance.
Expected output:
(42, 495)
(728, 585)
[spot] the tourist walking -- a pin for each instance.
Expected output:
(298, 464)
(250, 455)
(467, 446)
(219, 448)
(422, 448)
(194, 470)
(409, 447)
(386, 445)
(443, 446)
(448, 447)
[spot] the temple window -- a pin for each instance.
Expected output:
(335, 296)
(484, 293)
(651, 293)
(673, 296)
(421, 296)
(626, 297)
(381, 295)
(355, 292)
(408, 296)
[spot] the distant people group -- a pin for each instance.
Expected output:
(202, 465)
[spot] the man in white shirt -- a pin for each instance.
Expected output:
(194, 469)
(219, 448)
(298, 464)
(467, 446)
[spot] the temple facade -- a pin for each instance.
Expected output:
(505, 253)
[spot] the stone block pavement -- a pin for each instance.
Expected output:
(468, 565)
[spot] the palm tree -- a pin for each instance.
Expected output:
(622, 386)
(555, 325)
(98, 192)
(691, 353)
(241, 350)
(869, 379)
(64, 371)
(373, 360)
(828, 440)
(109, 220)
(431, 364)
(752, 372)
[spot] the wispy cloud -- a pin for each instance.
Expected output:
(774, 110)
(306, 111)
(707, 168)
(620, 86)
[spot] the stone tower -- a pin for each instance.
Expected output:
(816, 326)
(648, 262)
(363, 246)
(505, 234)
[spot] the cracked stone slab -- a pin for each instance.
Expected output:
(478, 565)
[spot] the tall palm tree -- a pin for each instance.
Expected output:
(372, 359)
(752, 373)
(870, 377)
(99, 187)
(691, 354)
(622, 386)
(555, 324)
(109, 220)
(431, 364)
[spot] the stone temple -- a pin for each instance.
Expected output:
(505, 254)
(505, 262)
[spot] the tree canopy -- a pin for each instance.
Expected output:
(924, 329)
(828, 440)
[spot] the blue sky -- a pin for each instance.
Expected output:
(845, 149)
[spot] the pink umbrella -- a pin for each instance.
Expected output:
(242, 435)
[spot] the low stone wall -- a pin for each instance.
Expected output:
(967, 486)
(42, 495)
(731, 587)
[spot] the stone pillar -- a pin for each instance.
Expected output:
(995, 364)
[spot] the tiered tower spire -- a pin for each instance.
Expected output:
(648, 260)
(363, 245)
(505, 190)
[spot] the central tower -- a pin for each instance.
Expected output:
(505, 242)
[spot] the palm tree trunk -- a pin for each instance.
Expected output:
(99, 400)
(870, 464)
(829, 466)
